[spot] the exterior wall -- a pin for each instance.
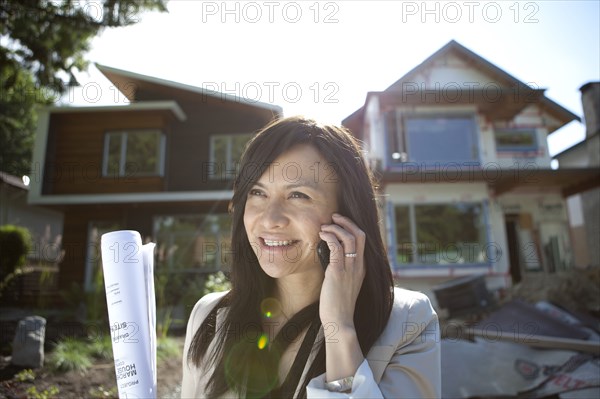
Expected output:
(579, 240)
(80, 248)
(189, 166)
(433, 193)
(45, 225)
(426, 279)
(451, 72)
(76, 147)
(375, 138)
(593, 144)
(531, 117)
(591, 210)
(590, 99)
(489, 156)
(574, 158)
(541, 219)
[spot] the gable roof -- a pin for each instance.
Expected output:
(355, 120)
(131, 84)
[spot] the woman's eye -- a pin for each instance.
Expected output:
(297, 194)
(255, 192)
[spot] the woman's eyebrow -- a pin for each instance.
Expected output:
(302, 183)
(305, 183)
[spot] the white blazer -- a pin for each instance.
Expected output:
(404, 362)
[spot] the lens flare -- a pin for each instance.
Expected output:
(251, 369)
(263, 341)
(270, 308)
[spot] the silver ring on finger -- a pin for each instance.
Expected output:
(350, 255)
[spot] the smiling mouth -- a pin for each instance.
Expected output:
(276, 243)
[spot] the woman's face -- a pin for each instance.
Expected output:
(286, 208)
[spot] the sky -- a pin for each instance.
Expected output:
(320, 58)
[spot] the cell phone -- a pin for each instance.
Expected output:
(323, 253)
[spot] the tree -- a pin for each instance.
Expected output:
(42, 42)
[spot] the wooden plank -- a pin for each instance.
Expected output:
(537, 341)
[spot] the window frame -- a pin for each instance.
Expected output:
(124, 133)
(230, 164)
(399, 137)
(532, 131)
(485, 230)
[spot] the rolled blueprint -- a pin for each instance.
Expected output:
(129, 282)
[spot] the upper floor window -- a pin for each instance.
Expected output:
(441, 234)
(225, 152)
(133, 153)
(516, 140)
(432, 139)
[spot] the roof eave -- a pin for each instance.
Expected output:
(113, 74)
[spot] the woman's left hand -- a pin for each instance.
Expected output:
(344, 275)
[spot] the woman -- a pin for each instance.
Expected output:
(293, 326)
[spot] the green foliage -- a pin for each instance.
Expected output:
(15, 244)
(167, 348)
(51, 392)
(27, 375)
(93, 299)
(71, 354)
(216, 282)
(78, 354)
(101, 347)
(172, 290)
(102, 392)
(49, 38)
(44, 42)
(18, 97)
(182, 289)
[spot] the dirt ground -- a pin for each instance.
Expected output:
(574, 290)
(97, 382)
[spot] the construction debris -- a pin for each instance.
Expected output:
(543, 341)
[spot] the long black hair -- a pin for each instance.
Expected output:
(241, 328)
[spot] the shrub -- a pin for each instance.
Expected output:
(167, 348)
(216, 282)
(15, 244)
(51, 392)
(101, 347)
(26, 375)
(71, 354)
(103, 392)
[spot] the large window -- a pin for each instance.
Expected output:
(226, 151)
(441, 234)
(199, 242)
(133, 153)
(516, 140)
(432, 139)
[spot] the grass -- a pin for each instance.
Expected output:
(101, 347)
(167, 348)
(79, 354)
(71, 354)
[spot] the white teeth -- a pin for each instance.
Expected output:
(277, 243)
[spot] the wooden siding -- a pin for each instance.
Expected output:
(76, 144)
(189, 162)
(76, 147)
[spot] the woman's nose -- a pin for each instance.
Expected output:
(274, 216)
